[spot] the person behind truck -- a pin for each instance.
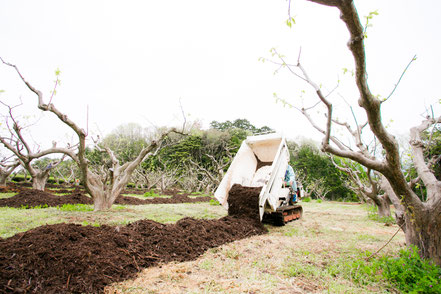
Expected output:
(290, 181)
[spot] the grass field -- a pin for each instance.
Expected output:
(311, 255)
(14, 220)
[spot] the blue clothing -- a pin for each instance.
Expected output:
(291, 177)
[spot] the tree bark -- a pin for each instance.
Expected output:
(3, 178)
(383, 205)
(399, 208)
(39, 180)
(103, 200)
(425, 233)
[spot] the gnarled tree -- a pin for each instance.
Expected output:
(16, 143)
(422, 218)
(106, 185)
(6, 168)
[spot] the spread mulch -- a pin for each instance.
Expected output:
(28, 198)
(70, 258)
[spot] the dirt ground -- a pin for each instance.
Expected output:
(30, 198)
(70, 258)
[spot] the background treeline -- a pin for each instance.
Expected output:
(198, 161)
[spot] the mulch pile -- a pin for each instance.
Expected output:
(244, 201)
(29, 198)
(70, 258)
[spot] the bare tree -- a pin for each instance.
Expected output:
(194, 180)
(214, 168)
(318, 188)
(369, 189)
(140, 178)
(422, 218)
(25, 155)
(68, 171)
(368, 185)
(106, 185)
(6, 168)
(217, 172)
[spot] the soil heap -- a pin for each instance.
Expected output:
(70, 258)
(28, 198)
(244, 201)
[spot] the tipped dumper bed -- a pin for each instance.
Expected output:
(262, 162)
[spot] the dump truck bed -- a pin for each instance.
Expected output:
(261, 161)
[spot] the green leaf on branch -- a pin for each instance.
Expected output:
(290, 21)
(368, 18)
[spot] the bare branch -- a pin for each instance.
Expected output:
(399, 80)
(432, 184)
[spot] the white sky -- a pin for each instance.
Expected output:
(131, 61)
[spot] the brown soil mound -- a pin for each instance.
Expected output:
(244, 201)
(10, 187)
(69, 258)
(161, 200)
(30, 198)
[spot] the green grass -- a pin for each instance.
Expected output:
(62, 188)
(142, 196)
(154, 194)
(33, 207)
(372, 212)
(75, 207)
(404, 270)
(86, 223)
(214, 202)
(15, 220)
(7, 195)
(200, 194)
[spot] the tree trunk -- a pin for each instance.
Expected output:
(383, 205)
(39, 181)
(399, 208)
(425, 233)
(102, 201)
(3, 178)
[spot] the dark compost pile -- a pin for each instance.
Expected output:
(70, 258)
(30, 198)
(244, 201)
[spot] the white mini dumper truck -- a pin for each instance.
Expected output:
(262, 162)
